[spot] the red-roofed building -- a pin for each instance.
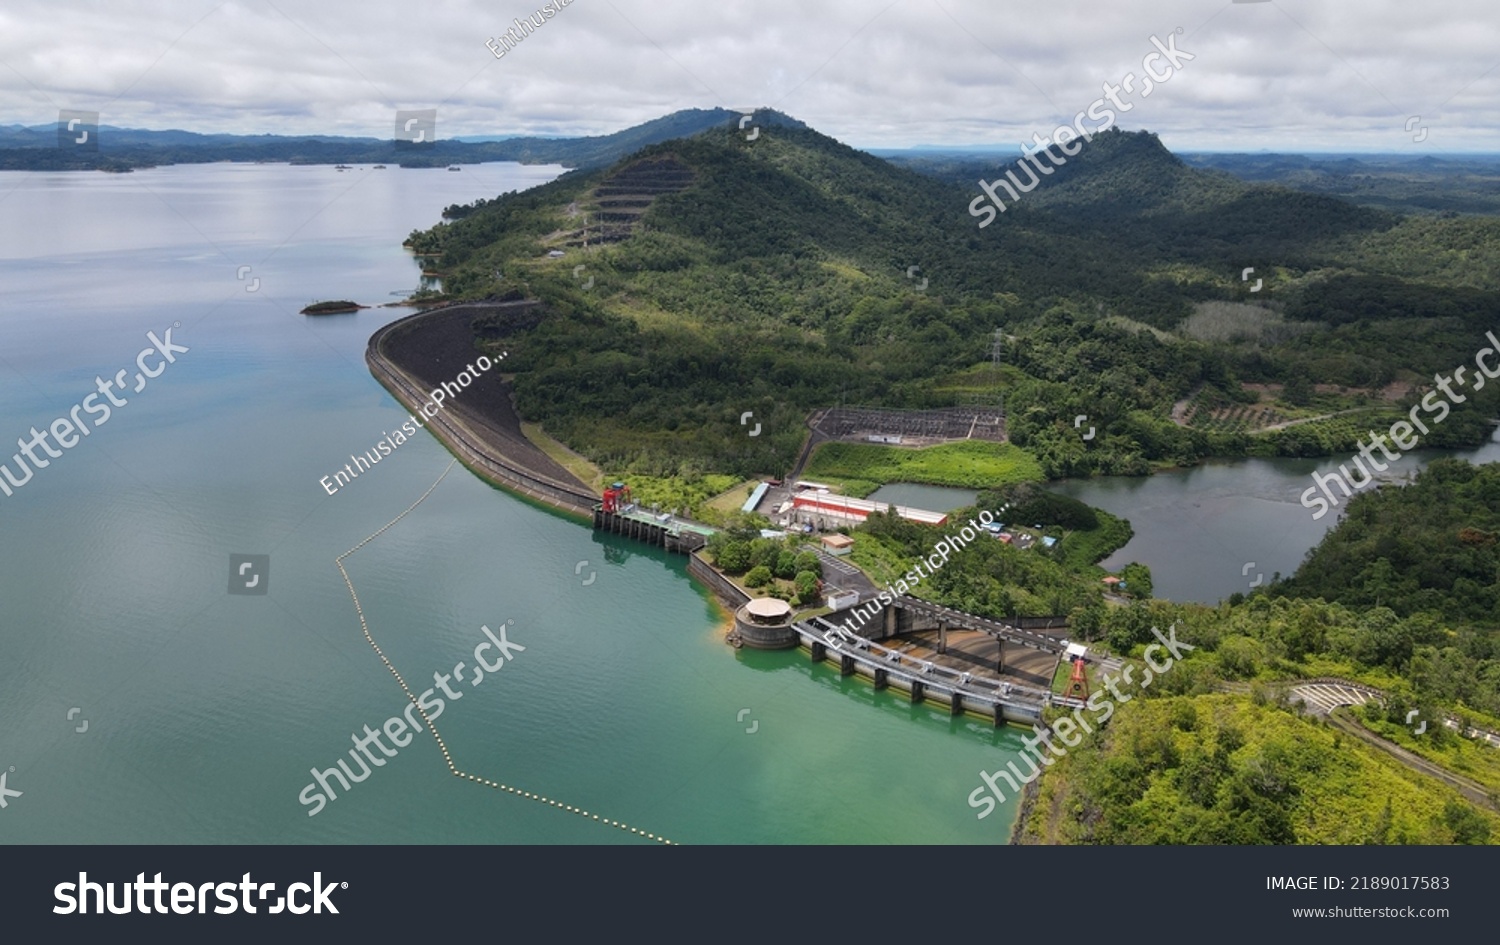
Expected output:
(857, 510)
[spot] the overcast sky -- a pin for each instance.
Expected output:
(1289, 75)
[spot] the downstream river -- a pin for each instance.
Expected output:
(1228, 526)
(1207, 532)
(142, 702)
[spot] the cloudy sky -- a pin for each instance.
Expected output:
(1290, 75)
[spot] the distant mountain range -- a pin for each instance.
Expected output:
(1463, 183)
(124, 149)
(1412, 183)
(1407, 183)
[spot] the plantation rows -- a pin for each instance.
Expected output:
(1238, 418)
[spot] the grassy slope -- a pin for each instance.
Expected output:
(1474, 760)
(587, 472)
(971, 464)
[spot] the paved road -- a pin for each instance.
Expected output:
(1323, 697)
(1473, 790)
(842, 574)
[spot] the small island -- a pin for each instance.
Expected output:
(338, 307)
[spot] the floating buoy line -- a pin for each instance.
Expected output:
(447, 756)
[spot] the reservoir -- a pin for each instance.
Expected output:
(140, 702)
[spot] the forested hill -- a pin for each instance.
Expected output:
(1427, 549)
(775, 269)
(1129, 187)
(798, 192)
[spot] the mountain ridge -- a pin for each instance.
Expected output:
(122, 149)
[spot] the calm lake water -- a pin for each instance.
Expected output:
(141, 702)
(1206, 532)
(1227, 526)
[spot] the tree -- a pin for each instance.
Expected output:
(808, 561)
(1387, 639)
(806, 583)
(1086, 620)
(742, 527)
(759, 576)
(1137, 580)
(733, 557)
(1467, 824)
(1239, 657)
(1298, 390)
(786, 565)
(764, 551)
(1127, 626)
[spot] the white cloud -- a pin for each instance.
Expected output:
(1287, 74)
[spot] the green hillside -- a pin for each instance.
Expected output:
(1226, 770)
(727, 275)
(1428, 549)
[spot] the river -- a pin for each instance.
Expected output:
(1229, 525)
(1209, 531)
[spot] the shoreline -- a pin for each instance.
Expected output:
(1029, 796)
(487, 458)
(559, 488)
(477, 441)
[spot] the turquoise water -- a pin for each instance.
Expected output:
(205, 711)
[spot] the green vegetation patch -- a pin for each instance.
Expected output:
(971, 464)
(1218, 769)
(688, 494)
(881, 562)
(1432, 547)
(1471, 758)
(1082, 548)
(781, 568)
(335, 307)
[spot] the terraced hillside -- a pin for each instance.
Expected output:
(618, 203)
